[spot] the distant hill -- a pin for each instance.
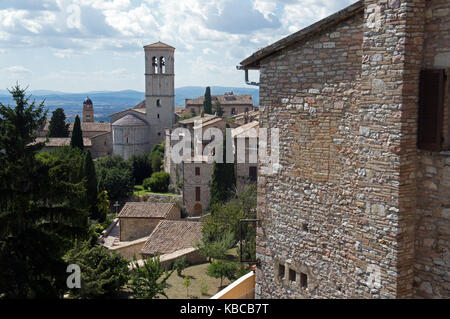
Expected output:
(109, 102)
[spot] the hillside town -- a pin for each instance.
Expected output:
(336, 186)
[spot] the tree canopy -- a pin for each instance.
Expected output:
(207, 103)
(39, 211)
(58, 126)
(77, 135)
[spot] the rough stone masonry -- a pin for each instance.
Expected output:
(357, 210)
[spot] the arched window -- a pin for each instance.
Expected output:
(158, 115)
(155, 65)
(158, 102)
(162, 65)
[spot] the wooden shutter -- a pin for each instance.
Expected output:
(431, 109)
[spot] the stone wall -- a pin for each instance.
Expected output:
(191, 181)
(432, 241)
(134, 228)
(307, 209)
(356, 210)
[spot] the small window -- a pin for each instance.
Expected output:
(197, 193)
(159, 133)
(246, 109)
(158, 103)
(292, 275)
(233, 111)
(281, 271)
(305, 227)
(303, 280)
(88, 117)
(197, 171)
(158, 115)
(193, 111)
(252, 173)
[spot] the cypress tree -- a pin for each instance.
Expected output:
(207, 104)
(91, 186)
(58, 126)
(77, 134)
(223, 181)
(219, 109)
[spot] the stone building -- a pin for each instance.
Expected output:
(196, 182)
(359, 207)
(139, 219)
(138, 129)
(231, 103)
(97, 137)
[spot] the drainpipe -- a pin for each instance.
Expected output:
(246, 76)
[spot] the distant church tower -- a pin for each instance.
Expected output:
(88, 110)
(159, 89)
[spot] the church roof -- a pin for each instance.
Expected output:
(130, 120)
(158, 44)
(87, 100)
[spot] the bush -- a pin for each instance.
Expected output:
(222, 269)
(102, 273)
(203, 288)
(158, 183)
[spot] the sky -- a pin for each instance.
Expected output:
(97, 45)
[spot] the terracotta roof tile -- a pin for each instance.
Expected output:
(170, 236)
(145, 210)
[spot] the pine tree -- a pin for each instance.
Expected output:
(223, 182)
(38, 219)
(207, 104)
(91, 186)
(77, 134)
(58, 126)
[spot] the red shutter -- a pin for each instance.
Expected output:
(431, 109)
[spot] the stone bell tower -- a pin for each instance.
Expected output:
(88, 110)
(159, 89)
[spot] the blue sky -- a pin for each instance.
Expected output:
(92, 45)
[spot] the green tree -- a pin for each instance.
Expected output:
(58, 126)
(158, 183)
(91, 187)
(119, 183)
(38, 217)
(180, 264)
(223, 181)
(157, 157)
(148, 281)
(216, 248)
(186, 283)
(222, 269)
(218, 108)
(77, 135)
(103, 274)
(141, 166)
(103, 205)
(207, 104)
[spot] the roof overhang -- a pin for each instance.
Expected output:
(253, 61)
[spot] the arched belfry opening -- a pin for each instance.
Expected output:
(155, 65)
(162, 65)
